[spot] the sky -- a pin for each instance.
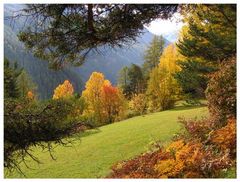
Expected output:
(165, 27)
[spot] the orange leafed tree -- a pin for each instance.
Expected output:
(64, 90)
(104, 101)
(112, 102)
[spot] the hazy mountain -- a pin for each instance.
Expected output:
(109, 61)
(171, 36)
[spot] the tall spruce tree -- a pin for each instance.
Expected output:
(210, 34)
(208, 38)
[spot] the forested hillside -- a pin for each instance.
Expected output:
(108, 61)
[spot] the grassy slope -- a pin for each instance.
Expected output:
(97, 151)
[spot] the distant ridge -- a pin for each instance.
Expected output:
(109, 62)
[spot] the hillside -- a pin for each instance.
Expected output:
(109, 61)
(96, 151)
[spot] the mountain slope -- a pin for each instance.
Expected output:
(109, 61)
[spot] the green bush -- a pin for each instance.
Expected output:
(29, 124)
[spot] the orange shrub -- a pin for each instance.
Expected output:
(186, 157)
(175, 146)
(225, 137)
(30, 95)
(180, 160)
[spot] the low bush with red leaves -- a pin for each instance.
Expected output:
(185, 158)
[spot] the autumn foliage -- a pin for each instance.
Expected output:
(199, 129)
(105, 103)
(221, 91)
(138, 104)
(30, 95)
(64, 90)
(163, 90)
(186, 157)
(113, 103)
(225, 137)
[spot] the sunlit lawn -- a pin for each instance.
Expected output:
(97, 150)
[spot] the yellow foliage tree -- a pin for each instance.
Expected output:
(64, 90)
(104, 102)
(92, 94)
(163, 90)
(138, 103)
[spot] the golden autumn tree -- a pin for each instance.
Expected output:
(64, 90)
(163, 90)
(92, 95)
(104, 102)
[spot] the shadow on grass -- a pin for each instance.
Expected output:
(87, 133)
(187, 107)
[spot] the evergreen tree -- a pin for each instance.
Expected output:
(123, 80)
(207, 39)
(136, 79)
(211, 32)
(193, 78)
(131, 80)
(25, 84)
(152, 54)
(10, 80)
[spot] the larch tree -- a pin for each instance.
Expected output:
(105, 103)
(64, 90)
(163, 90)
(93, 93)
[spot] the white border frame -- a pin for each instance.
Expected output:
(108, 1)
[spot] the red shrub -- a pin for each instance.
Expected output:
(221, 91)
(139, 167)
(179, 160)
(198, 128)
